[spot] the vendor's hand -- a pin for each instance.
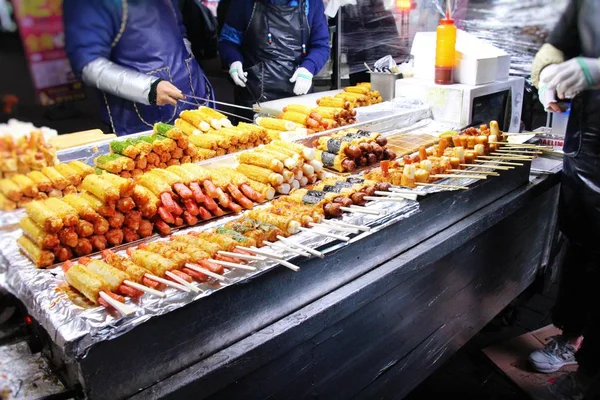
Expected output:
(167, 93)
(546, 94)
(303, 79)
(236, 71)
(574, 76)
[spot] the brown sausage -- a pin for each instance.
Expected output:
(63, 254)
(101, 226)
(389, 154)
(117, 220)
(133, 219)
(129, 235)
(377, 150)
(358, 199)
(382, 141)
(344, 201)
(369, 190)
(371, 159)
(68, 237)
(352, 151)
(145, 229)
(84, 229)
(162, 227)
(125, 204)
(333, 210)
(363, 161)
(348, 165)
(364, 147)
(383, 186)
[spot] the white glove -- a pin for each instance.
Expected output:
(236, 71)
(303, 79)
(574, 76)
(546, 94)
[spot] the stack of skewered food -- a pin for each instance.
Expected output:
(282, 165)
(484, 135)
(111, 211)
(62, 179)
(318, 119)
(188, 193)
(167, 146)
(347, 150)
(24, 154)
(209, 130)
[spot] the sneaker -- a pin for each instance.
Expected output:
(568, 387)
(556, 354)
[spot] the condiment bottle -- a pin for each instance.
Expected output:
(445, 51)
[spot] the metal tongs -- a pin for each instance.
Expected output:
(255, 109)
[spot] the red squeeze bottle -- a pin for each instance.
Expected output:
(445, 51)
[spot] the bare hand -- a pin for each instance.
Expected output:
(167, 93)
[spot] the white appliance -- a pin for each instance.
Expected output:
(463, 105)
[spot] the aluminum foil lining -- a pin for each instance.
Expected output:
(75, 329)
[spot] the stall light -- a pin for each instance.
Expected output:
(405, 5)
(28, 320)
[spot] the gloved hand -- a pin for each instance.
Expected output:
(236, 71)
(546, 94)
(303, 79)
(574, 76)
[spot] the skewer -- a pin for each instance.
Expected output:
(301, 246)
(333, 227)
(204, 271)
(409, 196)
(526, 146)
(442, 186)
(361, 210)
(327, 234)
(289, 265)
(289, 249)
(399, 189)
(235, 265)
(499, 158)
(261, 252)
(458, 176)
(240, 256)
(363, 228)
(499, 162)
(498, 167)
(469, 171)
(182, 282)
(391, 198)
(144, 289)
(513, 157)
(124, 309)
(167, 282)
(518, 151)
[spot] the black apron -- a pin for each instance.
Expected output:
(579, 211)
(271, 65)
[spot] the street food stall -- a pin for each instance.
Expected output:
(284, 257)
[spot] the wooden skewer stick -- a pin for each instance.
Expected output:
(442, 186)
(513, 157)
(409, 196)
(363, 228)
(514, 164)
(507, 150)
(241, 256)
(276, 257)
(361, 210)
(334, 228)
(470, 171)
(500, 158)
(182, 282)
(263, 253)
(301, 246)
(197, 268)
(289, 249)
(391, 198)
(316, 231)
(526, 146)
(167, 282)
(124, 309)
(289, 265)
(144, 289)
(498, 167)
(400, 189)
(458, 176)
(231, 265)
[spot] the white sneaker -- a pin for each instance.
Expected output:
(556, 354)
(568, 387)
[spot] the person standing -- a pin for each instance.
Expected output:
(136, 53)
(273, 48)
(567, 69)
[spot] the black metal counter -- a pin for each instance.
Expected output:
(393, 307)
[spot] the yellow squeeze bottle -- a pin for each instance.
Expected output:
(445, 51)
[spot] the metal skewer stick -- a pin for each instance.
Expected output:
(218, 102)
(221, 111)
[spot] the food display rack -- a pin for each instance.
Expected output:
(190, 348)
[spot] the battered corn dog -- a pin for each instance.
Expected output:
(146, 201)
(82, 169)
(102, 189)
(63, 210)
(287, 225)
(125, 186)
(261, 160)
(42, 182)
(154, 263)
(86, 282)
(41, 258)
(44, 216)
(26, 185)
(83, 208)
(208, 141)
(70, 173)
(259, 174)
(225, 242)
(58, 181)
(189, 129)
(6, 204)
(10, 190)
(240, 180)
(43, 239)
(112, 276)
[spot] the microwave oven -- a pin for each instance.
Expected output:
(465, 105)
